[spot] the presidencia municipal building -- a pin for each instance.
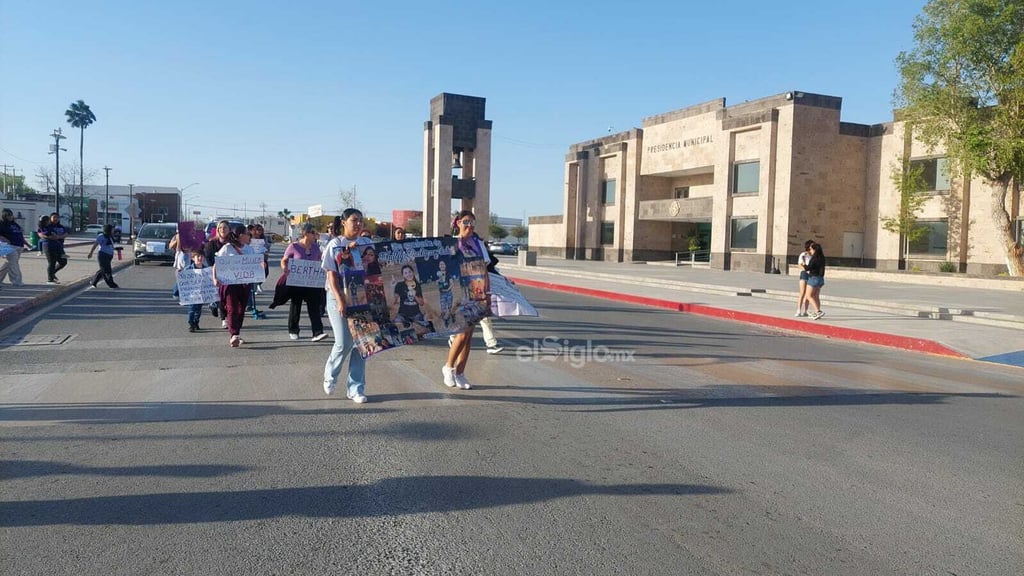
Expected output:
(743, 187)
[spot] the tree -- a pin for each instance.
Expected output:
(962, 87)
(497, 231)
(910, 182)
(80, 116)
(520, 232)
(285, 214)
(414, 227)
(350, 199)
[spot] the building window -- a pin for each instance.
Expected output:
(607, 233)
(608, 193)
(744, 234)
(935, 172)
(935, 242)
(681, 193)
(745, 177)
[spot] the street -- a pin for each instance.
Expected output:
(607, 438)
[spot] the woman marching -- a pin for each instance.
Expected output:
(337, 255)
(305, 248)
(234, 296)
(454, 368)
(105, 242)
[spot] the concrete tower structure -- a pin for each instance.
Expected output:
(456, 163)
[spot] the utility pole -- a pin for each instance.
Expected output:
(5, 167)
(131, 211)
(106, 203)
(55, 149)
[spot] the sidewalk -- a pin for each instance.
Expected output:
(17, 302)
(983, 323)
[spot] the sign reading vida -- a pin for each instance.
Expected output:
(241, 269)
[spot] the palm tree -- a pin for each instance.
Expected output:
(286, 214)
(81, 117)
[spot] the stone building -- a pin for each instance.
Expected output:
(744, 186)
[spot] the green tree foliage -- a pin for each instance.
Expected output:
(910, 182)
(497, 231)
(80, 116)
(414, 227)
(962, 87)
(520, 232)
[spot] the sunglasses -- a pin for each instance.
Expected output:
(467, 222)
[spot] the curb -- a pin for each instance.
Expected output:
(826, 330)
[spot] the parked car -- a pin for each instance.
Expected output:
(151, 243)
(94, 229)
(503, 248)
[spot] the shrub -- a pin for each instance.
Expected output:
(947, 267)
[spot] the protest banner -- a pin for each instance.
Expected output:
(305, 273)
(506, 300)
(240, 269)
(195, 286)
(259, 245)
(403, 291)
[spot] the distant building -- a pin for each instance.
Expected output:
(751, 182)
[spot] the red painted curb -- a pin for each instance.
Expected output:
(826, 330)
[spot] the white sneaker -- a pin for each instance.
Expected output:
(328, 387)
(818, 314)
(293, 336)
(494, 349)
(223, 323)
(319, 337)
(449, 376)
(461, 382)
(357, 398)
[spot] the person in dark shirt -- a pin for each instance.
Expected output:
(816, 279)
(14, 237)
(56, 259)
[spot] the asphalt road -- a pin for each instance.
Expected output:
(606, 439)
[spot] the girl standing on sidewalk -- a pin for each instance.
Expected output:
(234, 296)
(801, 261)
(816, 278)
(105, 242)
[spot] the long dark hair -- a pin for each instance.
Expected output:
(818, 256)
(455, 223)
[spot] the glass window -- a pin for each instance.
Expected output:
(935, 242)
(681, 193)
(745, 177)
(608, 192)
(935, 172)
(744, 234)
(607, 233)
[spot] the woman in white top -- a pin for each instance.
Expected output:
(234, 296)
(802, 261)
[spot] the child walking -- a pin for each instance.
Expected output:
(195, 311)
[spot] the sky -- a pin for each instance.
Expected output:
(285, 104)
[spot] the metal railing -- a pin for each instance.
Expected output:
(693, 257)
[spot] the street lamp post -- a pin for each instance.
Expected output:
(55, 149)
(106, 203)
(180, 193)
(131, 211)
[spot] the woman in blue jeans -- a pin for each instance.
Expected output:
(339, 254)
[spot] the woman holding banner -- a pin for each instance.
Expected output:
(454, 368)
(305, 248)
(337, 256)
(234, 296)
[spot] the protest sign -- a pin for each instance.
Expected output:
(189, 238)
(240, 269)
(305, 273)
(195, 286)
(259, 245)
(156, 247)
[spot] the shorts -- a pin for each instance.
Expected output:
(816, 281)
(804, 275)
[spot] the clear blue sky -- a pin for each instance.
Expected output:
(287, 102)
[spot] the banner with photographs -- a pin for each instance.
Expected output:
(403, 291)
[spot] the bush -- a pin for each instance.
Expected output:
(947, 267)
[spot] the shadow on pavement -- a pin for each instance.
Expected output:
(388, 497)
